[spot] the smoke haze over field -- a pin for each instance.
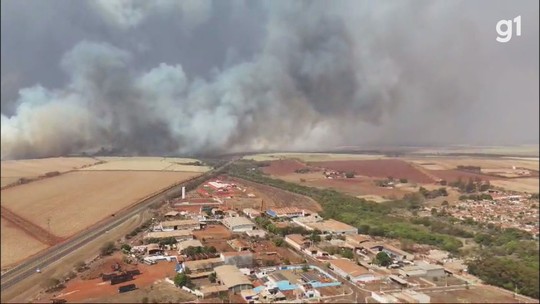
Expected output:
(184, 77)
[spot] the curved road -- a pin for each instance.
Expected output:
(42, 260)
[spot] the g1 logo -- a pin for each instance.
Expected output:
(506, 34)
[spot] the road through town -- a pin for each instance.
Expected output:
(49, 256)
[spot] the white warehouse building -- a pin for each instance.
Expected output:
(238, 224)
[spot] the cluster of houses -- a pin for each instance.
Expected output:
(235, 273)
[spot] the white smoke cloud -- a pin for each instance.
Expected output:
(128, 14)
(324, 75)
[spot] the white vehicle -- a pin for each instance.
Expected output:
(38, 270)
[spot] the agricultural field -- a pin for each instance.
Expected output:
(16, 244)
(74, 201)
(522, 150)
(13, 170)
(451, 162)
(147, 164)
(529, 185)
(312, 157)
(477, 294)
(378, 168)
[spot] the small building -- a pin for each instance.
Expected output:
(154, 249)
(354, 240)
(332, 226)
(411, 296)
(180, 225)
(297, 241)
(288, 212)
(349, 269)
(203, 265)
(179, 235)
(239, 245)
(181, 246)
(256, 233)
(393, 252)
(171, 214)
(238, 224)
(232, 278)
(251, 213)
(242, 259)
(423, 269)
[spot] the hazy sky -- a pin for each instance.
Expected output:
(168, 77)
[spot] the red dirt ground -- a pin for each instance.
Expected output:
(454, 175)
(213, 232)
(283, 167)
(380, 168)
(78, 290)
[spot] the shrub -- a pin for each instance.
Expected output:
(108, 248)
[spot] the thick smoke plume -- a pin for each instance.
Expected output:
(317, 74)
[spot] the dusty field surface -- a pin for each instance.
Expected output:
(379, 168)
(17, 245)
(96, 290)
(213, 232)
(273, 197)
(454, 175)
(358, 186)
(313, 157)
(147, 164)
(31, 229)
(451, 162)
(374, 198)
(283, 167)
(475, 294)
(12, 170)
(243, 202)
(530, 185)
(76, 200)
(523, 150)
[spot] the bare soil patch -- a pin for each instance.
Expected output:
(530, 185)
(283, 167)
(76, 200)
(379, 168)
(455, 175)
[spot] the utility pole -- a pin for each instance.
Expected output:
(49, 224)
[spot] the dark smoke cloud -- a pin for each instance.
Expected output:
(186, 77)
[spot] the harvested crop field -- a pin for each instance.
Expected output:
(148, 164)
(12, 170)
(380, 168)
(76, 200)
(454, 175)
(313, 157)
(530, 185)
(451, 162)
(17, 245)
(283, 167)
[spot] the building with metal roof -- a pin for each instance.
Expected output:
(233, 278)
(238, 224)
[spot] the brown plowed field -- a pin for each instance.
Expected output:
(380, 168)
(30, 228)
(283, 167)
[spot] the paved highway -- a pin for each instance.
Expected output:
(44, 259)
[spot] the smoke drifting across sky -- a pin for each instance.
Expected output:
(185, 77)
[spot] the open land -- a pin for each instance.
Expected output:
(13, 170)
(71, 202)
(148, 164)
(312, 157)
(16, 244)
(530, 185)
